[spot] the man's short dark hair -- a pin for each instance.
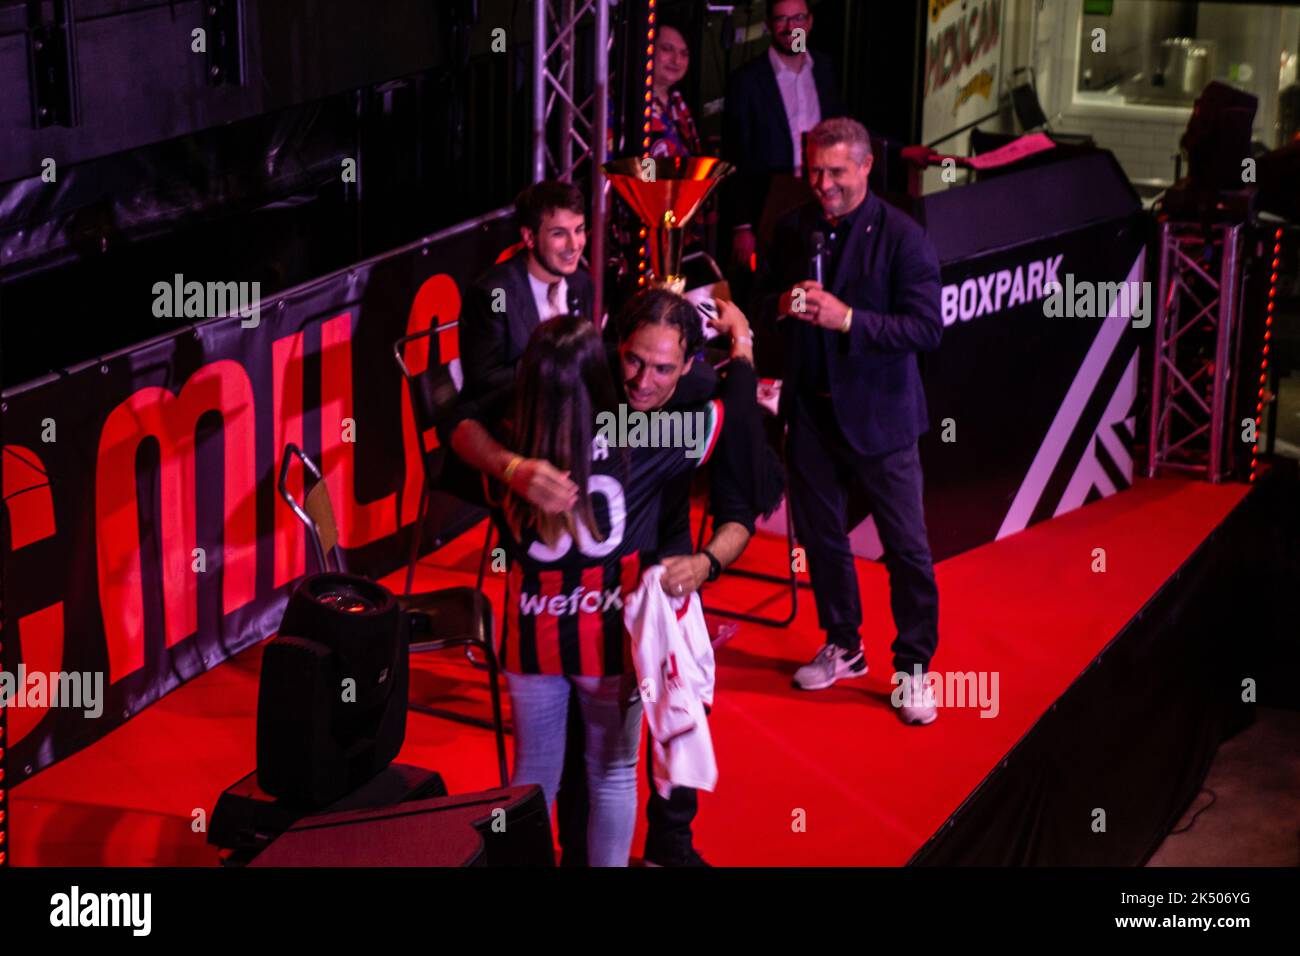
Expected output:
(540, 199)
(771, 8)
(660, 307)
(842, 129)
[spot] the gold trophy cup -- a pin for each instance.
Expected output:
(665, 194)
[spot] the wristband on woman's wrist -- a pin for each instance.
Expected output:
(511, 468)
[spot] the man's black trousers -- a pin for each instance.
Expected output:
(832, 489)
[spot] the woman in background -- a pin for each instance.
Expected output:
(672, 129)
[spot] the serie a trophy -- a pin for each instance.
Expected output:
(665, 194)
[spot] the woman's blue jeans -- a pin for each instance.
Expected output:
(611, 714)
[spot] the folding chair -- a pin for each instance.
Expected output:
(449, 617)
(791, 581)
(1029, 110)
(433, 395)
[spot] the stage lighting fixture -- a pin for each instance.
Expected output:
(331, 707)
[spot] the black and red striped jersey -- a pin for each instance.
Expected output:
(564, 604)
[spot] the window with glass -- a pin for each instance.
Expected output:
(1142, 53)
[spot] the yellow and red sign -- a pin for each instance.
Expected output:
(963, 59)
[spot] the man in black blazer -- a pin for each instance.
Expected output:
(854, 406)
(771, 102)
(543, 279)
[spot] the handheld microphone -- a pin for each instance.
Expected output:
(817, 261)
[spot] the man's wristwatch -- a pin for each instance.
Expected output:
(715, 566)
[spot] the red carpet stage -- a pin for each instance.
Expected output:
(826, 778)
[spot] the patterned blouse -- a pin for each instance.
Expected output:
(672, 130)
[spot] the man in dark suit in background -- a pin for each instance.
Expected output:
(854, 406)
(771, 102)
(542, 280)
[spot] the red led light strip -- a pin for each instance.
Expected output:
(645, 125)
(1263, 360)
(4, 811)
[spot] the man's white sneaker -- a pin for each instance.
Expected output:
(832, 663)
(914, 699)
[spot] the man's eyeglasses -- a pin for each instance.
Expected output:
(798, 19)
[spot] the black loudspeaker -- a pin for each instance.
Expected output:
(331, 704)
(506, 827)
(246, 818)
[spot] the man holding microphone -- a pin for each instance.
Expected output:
(854, 407)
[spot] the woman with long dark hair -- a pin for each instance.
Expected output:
(563, 383)
(563, 631)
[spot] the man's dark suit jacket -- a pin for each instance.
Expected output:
(888, 274)
(491, 343)
(756, 132)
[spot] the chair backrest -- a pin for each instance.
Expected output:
(433, 392)
(317, 505)
(315, 511)
(1025, 103)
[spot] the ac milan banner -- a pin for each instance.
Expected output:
(146, 541)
